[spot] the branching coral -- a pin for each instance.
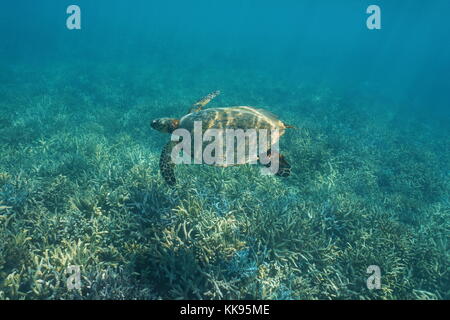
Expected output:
(79, 185)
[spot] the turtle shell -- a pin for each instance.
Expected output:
(241, 117)
(233, 118)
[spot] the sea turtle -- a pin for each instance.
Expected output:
(242, 117)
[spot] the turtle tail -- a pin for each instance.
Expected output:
(166, 165)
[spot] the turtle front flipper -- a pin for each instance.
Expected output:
(166, 165)
(203, 102)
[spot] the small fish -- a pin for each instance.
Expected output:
(4, 208)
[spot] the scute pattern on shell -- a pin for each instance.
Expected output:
(243, 117)
(233, 118)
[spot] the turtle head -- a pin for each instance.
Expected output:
(166, 125)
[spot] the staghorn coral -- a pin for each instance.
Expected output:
(79, 185)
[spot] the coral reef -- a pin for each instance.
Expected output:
(79, 185)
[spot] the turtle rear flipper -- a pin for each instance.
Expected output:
(284, 168)
(166, 165)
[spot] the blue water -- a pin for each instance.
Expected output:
(370, 158)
